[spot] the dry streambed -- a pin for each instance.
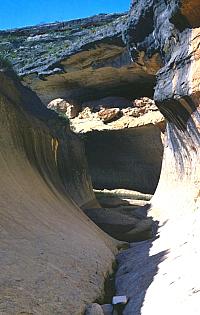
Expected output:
(123, 215)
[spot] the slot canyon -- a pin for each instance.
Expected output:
(100, 163)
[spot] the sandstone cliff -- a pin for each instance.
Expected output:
(117, 57)
(177, 88)
(162, 276)
(54, 260)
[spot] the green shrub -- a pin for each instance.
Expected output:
(5, 63)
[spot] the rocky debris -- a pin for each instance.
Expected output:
(119, 299)
(109, 114)
(140, 107)
(86, 113)
(110, 201)
(142, 112)
(108, 198)
(119, 302)
(94, 309)
(105, 309)
(62, 106)
(146, 103)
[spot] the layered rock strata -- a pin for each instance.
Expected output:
(78, 60)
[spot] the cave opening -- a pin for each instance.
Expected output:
(122, 135)
(124, 151)
(125, 167)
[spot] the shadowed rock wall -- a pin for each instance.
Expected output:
(129, 158)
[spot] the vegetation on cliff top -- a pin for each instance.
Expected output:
(5, 63)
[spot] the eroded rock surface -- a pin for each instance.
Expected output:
(54, 260)
(162, 275)
(159, 275)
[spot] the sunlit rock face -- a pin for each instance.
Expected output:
(54, 260)
(162, 276)
(179, 102)
(177, 90)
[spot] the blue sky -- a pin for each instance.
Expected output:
(18, 13)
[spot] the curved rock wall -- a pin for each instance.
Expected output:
(179, 102)
(54, 260)
(162, 275)
(177, 89)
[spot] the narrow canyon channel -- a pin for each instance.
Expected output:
(100, 164)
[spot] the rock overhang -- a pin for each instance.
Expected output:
(82, 61)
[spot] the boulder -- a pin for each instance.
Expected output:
(94, 309)
(85, 113)
(62, 106)
(108, 115)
